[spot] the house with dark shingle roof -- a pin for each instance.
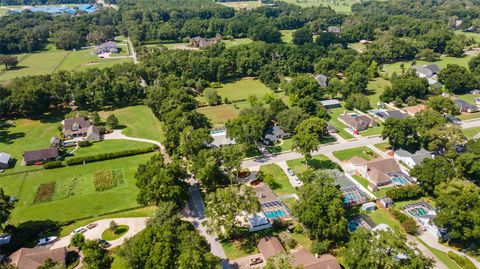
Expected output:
(274, 134)
(107, 47)
(357, 123)
(32, 258)
(464, 106)
(80, 127)
(427, 71)
(40, 156)
(412, 159)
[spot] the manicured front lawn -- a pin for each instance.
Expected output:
(372, 131)
(74, 195)
(219, 115)
(281, 184)
(139, 121)
(469, 98)
(110, 235)
(237, 41)
(318, 162)
(109, 146)
(361, 152)
(442, 256)
(469, 116)
(385, 146)
(290, 202)
(471, 132)
(242, 89)
(381, 215)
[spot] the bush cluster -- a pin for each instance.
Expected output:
(464, 262)
(84, 143)
(109, 156)
(408, 224)
(52, 165)
(408, 192)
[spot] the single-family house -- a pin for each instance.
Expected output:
(412, 110)
(107, 47)
(274, 134)
(385, 114)
(330, 103)
(334, 29)
(200, 42)
(270, 205)
(424, 214)
(386, 202)
(412, 159)
(32, 258)
(370, 206)
(270, 246)
(40, 156)
(80, 127)
(220, 138)
(364, 42)
(258, 222)
(427, 71)
(306, 260)
(357, 122)
(377, 171)
(475, 92)
(477, 100)
(5, 160)
(331, 129)
(321, 80)
(434, 83)
(464, 106)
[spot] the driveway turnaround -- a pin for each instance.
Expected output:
(135, 225)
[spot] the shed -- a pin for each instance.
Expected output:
(330, 103)
(4, 160)
(386, 202)
(370, 206)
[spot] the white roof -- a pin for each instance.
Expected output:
(382, 227)
(330, 102)
(368, 205)
(258, 219)
(220, 138)
(5, 157)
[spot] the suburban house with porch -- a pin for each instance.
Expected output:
(32, 258)
(412, 110)
(274, 134)
(40, 156)
(427, 71)
(357, 122)
(379, 172)
(80, 127)
(464, 106)
(5, 160)
(412, 159)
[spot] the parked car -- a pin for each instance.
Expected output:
(92, 225)
(1, 170)
(104, 243)
(46, 240)
(290, 172)
(254, 261)
(80, 230)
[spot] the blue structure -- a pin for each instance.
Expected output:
(87, 8)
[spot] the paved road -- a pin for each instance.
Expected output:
(195, 215)
(135, 225)
(283, 157)
(134, 53)
(438, 263)
(470, 123)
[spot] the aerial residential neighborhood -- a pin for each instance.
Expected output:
(276, 134)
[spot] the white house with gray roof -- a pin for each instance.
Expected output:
(427, 71)
(412, 159)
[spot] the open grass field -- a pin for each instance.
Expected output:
(110, 146)
(342, 6)
(242, 89)
(361, 152)
(228, 43)
(52, 60)
(376, 88)
(443, 62)
(219, 115)
(281, 184)
(242, 4)
(74, 194)
(287, 36)
(139, 121)
(318, 162)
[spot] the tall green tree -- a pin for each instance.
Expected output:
(232, 157)
(401, 133)
(225, 205)
(6, 207)
(308, 136)
(96, 257)
(432, 172)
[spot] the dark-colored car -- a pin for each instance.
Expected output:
(104, 243)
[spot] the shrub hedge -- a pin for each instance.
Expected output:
(53, 164)
(408, 192)
(408, 224)
(109, 156)
(84, 143)
(464, 262)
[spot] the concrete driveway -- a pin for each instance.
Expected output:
(135, 226)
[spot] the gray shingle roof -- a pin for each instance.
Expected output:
(5, 157)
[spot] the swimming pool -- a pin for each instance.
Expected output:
(399, 181)
(353, 226)
(418, 212)
(275, 214)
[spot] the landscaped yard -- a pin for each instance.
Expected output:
(334, 113)
(139, 121)
(382, 216)
(471, 132)
(318, 162)
(385, 146)
(119, 231)
(237, 41)
(362, 152)
(372, 131)
(376, 88)
(469, 116)
(242, 89)
(280, 185)
(74, 193)
(109, 146)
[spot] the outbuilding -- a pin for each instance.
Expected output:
(370, 206)
(4, 160)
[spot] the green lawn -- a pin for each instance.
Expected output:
(242, 89)
(442, 256)
(242, 4)
(290, 202)
(382, 216)
(139, 121)
(349, 153)
(342, 6)
(471, 132)
(119, 262)
(287, 35)
(475, 36)
(74, 195)
(357, 46)
(469, 98)
(110, 235)
(376, 88)
(469, 116)
(219, 115)
(334, 113)
(281, 185)
(443, 62)
(109, 146)
(237, 41)
(385, 146)
(84, 59)
(28, 135)
(372, 131)
(286, 145)
(318, 162)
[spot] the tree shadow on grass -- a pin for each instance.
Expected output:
(55, 116)
(322, 164)
(27, 233)
(7, 137)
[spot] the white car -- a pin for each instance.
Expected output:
(290, 172)
(46, 240)
(80, 230)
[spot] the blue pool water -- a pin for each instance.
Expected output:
(400, 181)
(353, 226)
(275, 214)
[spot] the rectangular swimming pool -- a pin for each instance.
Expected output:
(275, 214)
(399, 181)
